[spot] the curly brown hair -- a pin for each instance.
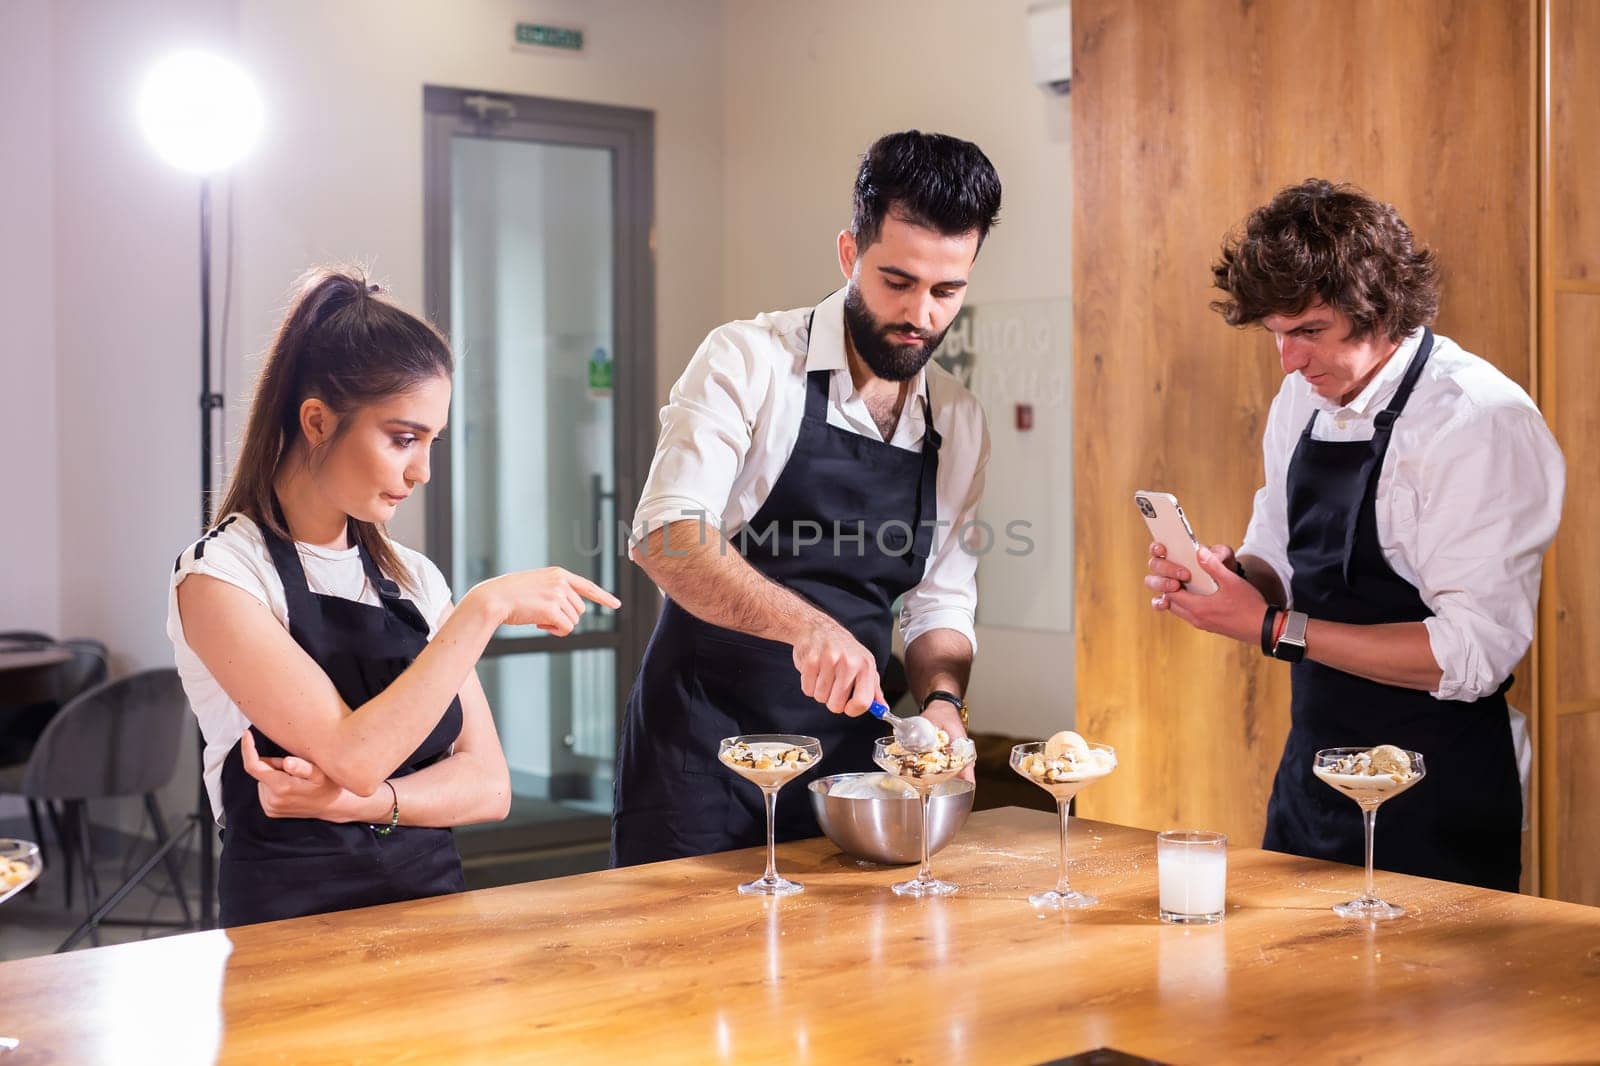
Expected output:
(1320, 240)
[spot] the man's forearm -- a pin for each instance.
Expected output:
(692, 562)
(1393, 653)
(938, 659)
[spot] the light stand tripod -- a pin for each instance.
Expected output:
(210, 403)
(202, 114)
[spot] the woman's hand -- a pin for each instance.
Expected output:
(291, 787)
(551, 598)
(1234, 610)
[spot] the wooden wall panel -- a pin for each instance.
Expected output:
(1569, 393)
(1575, 149)
(1577, 850)
(1575, 416)
(1186, 115)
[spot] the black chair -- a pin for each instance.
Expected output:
(27, 636)
(21, 727)
(119, 739)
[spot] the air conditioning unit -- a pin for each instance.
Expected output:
(1050, 44)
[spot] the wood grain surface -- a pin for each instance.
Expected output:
(1569, 393)
(1575, 138)
(668, 964)
(1187, 115)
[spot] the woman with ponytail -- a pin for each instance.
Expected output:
(345, 729)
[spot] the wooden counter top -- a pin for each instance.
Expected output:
(666, 963)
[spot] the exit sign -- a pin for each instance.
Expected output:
(549, 36)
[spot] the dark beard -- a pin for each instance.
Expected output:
(886, 359)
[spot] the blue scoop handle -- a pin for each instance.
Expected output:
(878, 710)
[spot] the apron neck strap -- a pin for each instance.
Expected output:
(286, 558)
(1386, 417)
(387, 588)
(817, 381)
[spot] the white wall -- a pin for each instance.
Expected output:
(762, 108)
(30, 529)
(340, 176)
(100, 242)
(809, 87)
(337, 178)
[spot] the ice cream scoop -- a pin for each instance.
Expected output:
(914, 734)
(1388, 759)
(1061, 744)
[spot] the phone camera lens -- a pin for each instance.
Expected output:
(1145, 508)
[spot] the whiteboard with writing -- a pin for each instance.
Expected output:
(1012, 353)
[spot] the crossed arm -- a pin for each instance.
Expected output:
(342, 755)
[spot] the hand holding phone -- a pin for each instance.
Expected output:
(1169, 527)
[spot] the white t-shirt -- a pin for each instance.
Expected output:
(236, 553)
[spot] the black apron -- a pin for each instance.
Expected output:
(849, 526)
(275, 868)
(1463, 822)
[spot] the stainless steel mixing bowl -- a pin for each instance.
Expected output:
(886, 828)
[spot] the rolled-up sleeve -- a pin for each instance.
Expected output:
(947, 595)
(1267, 536)
(705, 434)
(1486, 510)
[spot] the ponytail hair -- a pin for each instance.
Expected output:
(342, 343)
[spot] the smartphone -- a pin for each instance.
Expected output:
(1168, 526)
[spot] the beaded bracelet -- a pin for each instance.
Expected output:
(394, 814)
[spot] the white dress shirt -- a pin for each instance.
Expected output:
(1468, 500)
(730, 425)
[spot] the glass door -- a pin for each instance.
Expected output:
(539, 269)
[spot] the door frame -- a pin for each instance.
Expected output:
(629, 133)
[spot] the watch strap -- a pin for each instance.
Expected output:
(949, 697)
(1291, 646)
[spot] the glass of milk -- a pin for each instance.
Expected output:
(1193, 871)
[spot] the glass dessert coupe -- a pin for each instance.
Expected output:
(922, 771)
(1063, 766)
(19, 866)
(1369, 776)
(769, 761)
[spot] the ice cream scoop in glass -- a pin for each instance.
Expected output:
(19, 866)
(922, 771)
(914, 734)
(769, 761)
(1369, 776)
(1063, 766)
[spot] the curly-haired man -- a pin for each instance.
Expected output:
(1393, 552)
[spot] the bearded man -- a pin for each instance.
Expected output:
(813, 468)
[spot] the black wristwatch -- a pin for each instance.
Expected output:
(1291, 647)
(949, 697)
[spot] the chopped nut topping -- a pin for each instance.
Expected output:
(1073, 764)
(766, 757)
(14, 872)
(947, 758)
(1385, 760)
